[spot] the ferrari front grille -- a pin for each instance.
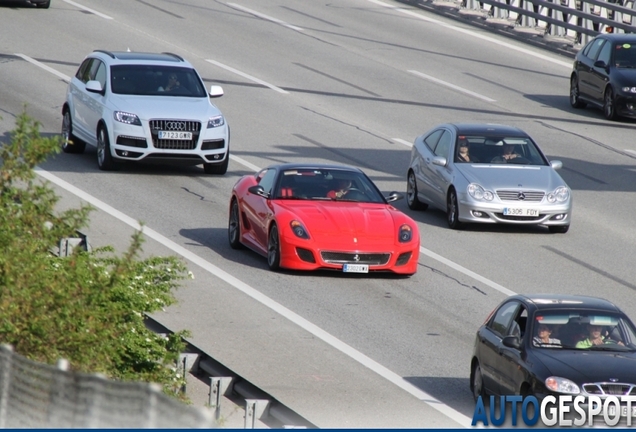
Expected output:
(355, 258)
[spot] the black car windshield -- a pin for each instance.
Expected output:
(326, 185)
(479, 149)
(584, 330)
(146, 80)
(625, 55)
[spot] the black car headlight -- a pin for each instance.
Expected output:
(128, 118)
(406, 233)
(560, 194)
(299, 230)
(561, 385)
(628, 89)
(479, 193)
(216, 122)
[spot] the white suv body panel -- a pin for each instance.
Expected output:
(91, 110)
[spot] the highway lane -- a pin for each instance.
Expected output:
(346, 102)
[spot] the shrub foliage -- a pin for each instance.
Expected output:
(89, 307)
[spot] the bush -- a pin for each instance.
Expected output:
(89, 307)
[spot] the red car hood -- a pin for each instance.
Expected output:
(345, 219)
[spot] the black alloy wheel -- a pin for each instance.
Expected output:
(452, 210)
(411, 193)
(575, 100)
(234, 227)
(273, 249)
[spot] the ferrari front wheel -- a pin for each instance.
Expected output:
(234, 227)
(273, 249)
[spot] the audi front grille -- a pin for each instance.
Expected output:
(355, 258)
(175, 126)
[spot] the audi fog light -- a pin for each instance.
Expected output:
(298, 229)
(216, 122)
(560, 194)
(561, 385)
(479, 193)
(127, 118)
(406, 234)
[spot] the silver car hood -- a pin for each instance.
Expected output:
(505, 176)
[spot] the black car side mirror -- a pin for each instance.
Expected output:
(512, 342)
(600, 64)
(258, 190)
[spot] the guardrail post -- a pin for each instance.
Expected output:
(6, 351)
(254, 409)
(218, 388)
(188, 361)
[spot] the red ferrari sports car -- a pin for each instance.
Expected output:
(318, 216)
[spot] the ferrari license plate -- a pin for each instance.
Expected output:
(171, 135)
(612, 411)
(520, 212)
(355, 268)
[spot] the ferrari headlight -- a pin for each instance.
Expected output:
(299, 230)
(406, 233)
(127, 118)
(479, 193)
(560, 194)
(561, 385)
(629, 89)
(216, 122)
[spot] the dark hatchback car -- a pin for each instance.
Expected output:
(555, 345)
(604, 74)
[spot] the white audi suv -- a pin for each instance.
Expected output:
(136, 106)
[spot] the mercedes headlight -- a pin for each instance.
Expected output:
(561, 385)
(479, 193)
(216, 122)
(560, 194)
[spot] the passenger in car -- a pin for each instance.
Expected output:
(543, 339)
(595, 338)
(463, 152)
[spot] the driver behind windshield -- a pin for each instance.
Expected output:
(595, 338)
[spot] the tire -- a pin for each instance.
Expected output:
(559, 229)
(477, 384)
(217, 168)
(609, 109)
(411, 193)
(234, 226)
(44, 5)
(452, 211)
(70, 143)
(273, 249)
(104, 158)
(575, 100)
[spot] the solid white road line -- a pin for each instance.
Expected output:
(266, 17)
(260, 297)
(244, 163)
(249, 77)
(472, 33)
(401, 141)
(45, 67)
(631, 151)
(88, 10)
(453, 86)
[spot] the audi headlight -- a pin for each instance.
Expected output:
(406, 233)
(127, 118)
(299, 230)
(216, 122)
(560, 194)
(629, 89)
(561, 385)
(479, 193)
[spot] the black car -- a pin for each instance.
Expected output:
(589, 348)
(604, 74)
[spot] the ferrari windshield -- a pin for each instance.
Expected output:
(326, 185)
(586, 330)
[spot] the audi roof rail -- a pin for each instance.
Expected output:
(174, 55)
(105, 52)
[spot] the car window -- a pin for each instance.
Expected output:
(503, 318)
(625, 55)
(431, 140)
(100, 74)
(93, 69)
(443, 145)
(152, 80)
(595, 48)
(587, 47)
(605, 53)
(83, 73)
(267, 180)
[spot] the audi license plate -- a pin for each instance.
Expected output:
(520, 212)
(171, 135)
(612, 411)
(355, 268)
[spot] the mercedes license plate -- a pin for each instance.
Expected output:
(520, 212)
(355, 268)
(172, 135)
